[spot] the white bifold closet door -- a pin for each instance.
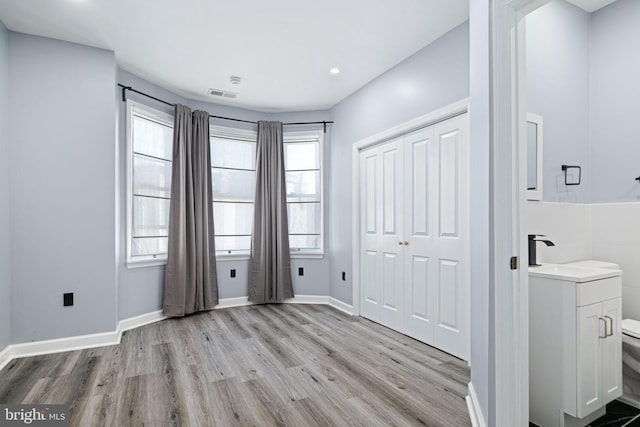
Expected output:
(414, 249)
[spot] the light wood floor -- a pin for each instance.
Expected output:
(288, 365)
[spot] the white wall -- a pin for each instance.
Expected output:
(5, 235)
(616, 238)
(434, 77)
(63, 192)
(558, 58)
(567, 225)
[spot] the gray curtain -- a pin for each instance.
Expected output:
(270, 274)
(190, 282)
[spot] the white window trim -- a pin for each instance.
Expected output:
(312, 136)
(154, 114)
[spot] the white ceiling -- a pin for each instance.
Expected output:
(591, 5)
(283, 49)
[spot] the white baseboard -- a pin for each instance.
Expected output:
(6, 356)
(233, 302)
(308, 299)
(59, 345)
(342, 306)
(137, 321)
(475, 411)
(36, 348)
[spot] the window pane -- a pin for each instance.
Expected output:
(152, 138)
(150, 216)
(227, 153)
(149, 246)
(232, 218)
(304, 218)
(303, 186)
(151, 177)
(233, 185)
(303, 242)
(233, 244)
(301, 155)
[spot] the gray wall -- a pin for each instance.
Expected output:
(434, 77)
(140, 290)
(482, 342)
(615, 90)
(63, 195)
(582, 77)
(558, 89)
(5, 254)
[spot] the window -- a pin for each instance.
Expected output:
(233, 172)
(233, 164)
(303, 166)
(149, 153)
(233, 175)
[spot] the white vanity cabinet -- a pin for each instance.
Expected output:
(575, 343)
(599, 357)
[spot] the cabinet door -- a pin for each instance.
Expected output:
(612, 351)
(589, 364)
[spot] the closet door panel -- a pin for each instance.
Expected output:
(370, 255)
(382, 265)
(451, 243)
(421, 273)
(392, 200)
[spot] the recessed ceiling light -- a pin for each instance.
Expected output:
(335, 70)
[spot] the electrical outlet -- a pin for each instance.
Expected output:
(67, 299)
(233, 272)
(300, 271)
(344, 276)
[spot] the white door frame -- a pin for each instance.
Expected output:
(509, 306)
(452, 110)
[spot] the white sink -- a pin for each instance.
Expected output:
(573, 273)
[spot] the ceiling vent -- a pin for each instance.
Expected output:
(223, 93)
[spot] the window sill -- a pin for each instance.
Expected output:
(233, 257)
(220, 258)
(247, 257)
(297, 255)
(140, 263)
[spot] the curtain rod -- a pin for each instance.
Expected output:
(126, 88)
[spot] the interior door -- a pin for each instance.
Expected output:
(421, 180)
(382, 257)
(450, 220)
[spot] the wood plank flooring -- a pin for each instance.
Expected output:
(267, 365)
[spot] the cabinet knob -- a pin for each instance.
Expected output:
(400, 243)
(406, 243)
